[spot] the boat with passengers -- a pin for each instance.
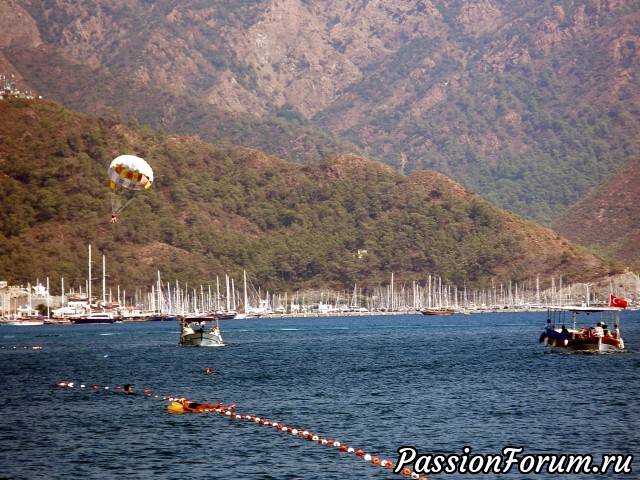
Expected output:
(564, 331)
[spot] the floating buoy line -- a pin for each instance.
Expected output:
(180, 405)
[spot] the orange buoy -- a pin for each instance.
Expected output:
(375, 460)
(359, 453)
(175, 407)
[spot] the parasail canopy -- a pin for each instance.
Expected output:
(130, 172)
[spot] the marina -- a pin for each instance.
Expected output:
(225, 300)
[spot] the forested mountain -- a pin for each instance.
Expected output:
(528, 103)
(221, 209)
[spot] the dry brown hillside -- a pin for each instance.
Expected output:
(609, 217)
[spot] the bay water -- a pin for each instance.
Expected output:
(375, 383)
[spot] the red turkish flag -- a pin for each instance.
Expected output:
(617, 302)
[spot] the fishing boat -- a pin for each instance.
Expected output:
(597, 337)
(200, 331)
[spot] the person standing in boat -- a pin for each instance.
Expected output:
(597, 330)
(186, 329)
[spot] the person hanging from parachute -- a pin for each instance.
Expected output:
(128, 175)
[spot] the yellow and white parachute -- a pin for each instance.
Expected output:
(128, 174)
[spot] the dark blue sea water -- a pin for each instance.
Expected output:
(373, 382)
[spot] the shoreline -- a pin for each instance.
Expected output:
(66, 321)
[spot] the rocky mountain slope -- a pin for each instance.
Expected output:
(530, 104)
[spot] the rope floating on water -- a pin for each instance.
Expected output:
(174, 407)
(179, 405)
(98, 387)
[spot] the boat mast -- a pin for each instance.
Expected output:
(104, 282)
(233, 296)
(246, 300)
(159, 304)
(89, 284)
(218, 303)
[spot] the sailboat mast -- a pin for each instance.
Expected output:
(48, 300)
(246, 299)
(159, 295)
(89, 284)
(104, 281)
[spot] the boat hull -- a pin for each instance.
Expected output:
(93, 321)
(23, 323)
(438, 311)
(163, 318)
(575, 342)
(201, 339)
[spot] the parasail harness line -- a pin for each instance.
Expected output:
(117, 205)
